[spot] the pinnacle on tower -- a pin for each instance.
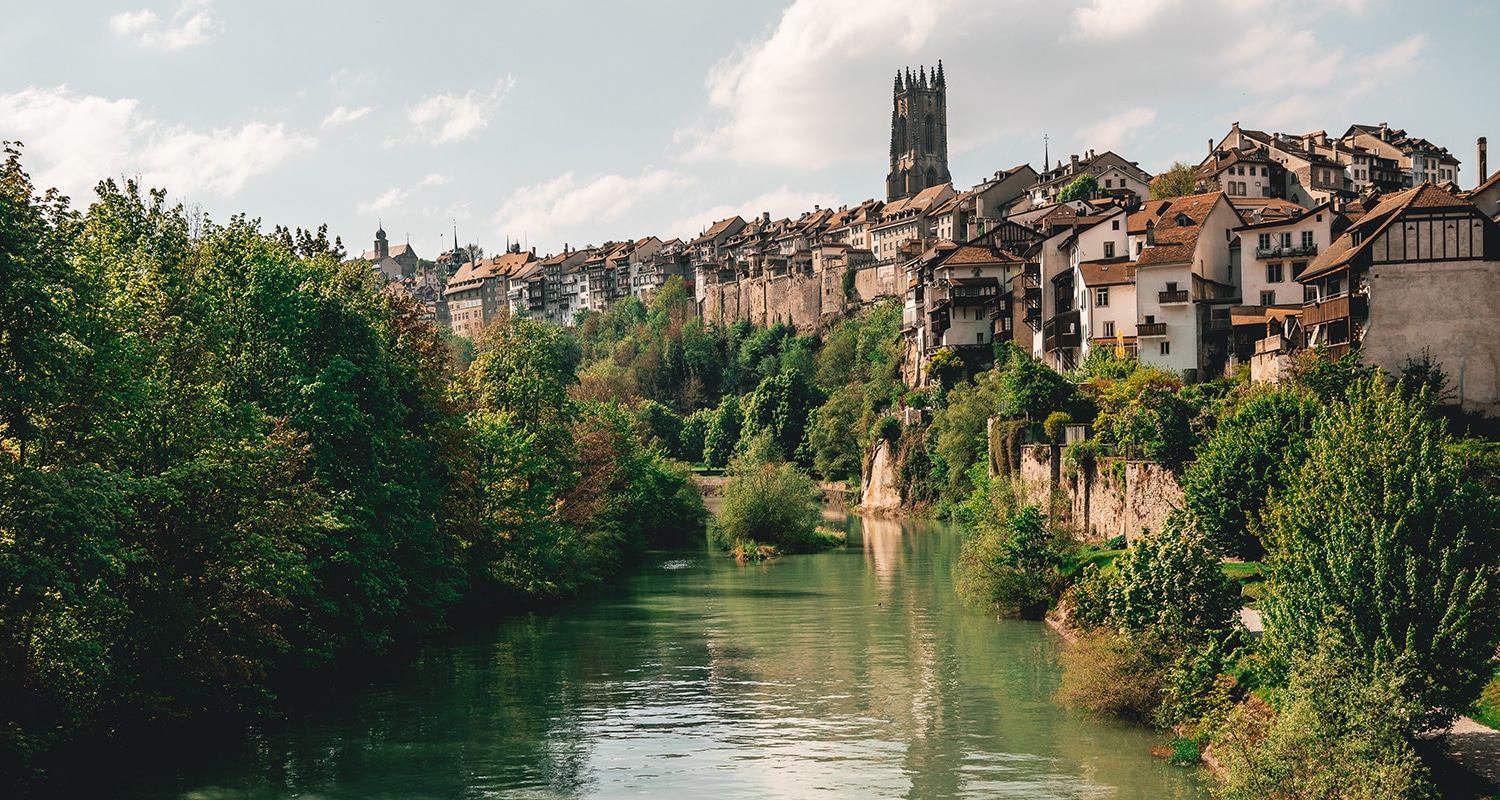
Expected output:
(939, 79)
(898, 86)
(922, 76)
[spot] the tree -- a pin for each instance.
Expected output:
(1179, 180)
(1242, 463)
(1146, 415)
(1170, 585)
(1084, 188)
(780, 408)
(1382, 541)
(723, 434)
(1030, 389)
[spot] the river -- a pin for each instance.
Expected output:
(855, 673)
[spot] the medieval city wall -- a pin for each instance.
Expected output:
(803, 301)
(1112, 497)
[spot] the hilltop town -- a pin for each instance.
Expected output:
(1273, 243)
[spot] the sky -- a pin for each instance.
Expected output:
(575, 123)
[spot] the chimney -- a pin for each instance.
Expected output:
(1210, 147)
(1385, 132)
(1074, 160)
(1484, 165)
(765, 216)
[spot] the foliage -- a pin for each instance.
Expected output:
(690, 440)
(1170, 583)
(1030, 389)
(1179, 180)
(1108, 673)
(1341, 730)
(1328, 379)
(958, 437)
(1147, 415)
(1242, 463)
(779, 408)
(723, 433)
(1382, 540)
(1103, 364)
(768, 503)
(1056, 426)
(1011, 555)
(1084, 188)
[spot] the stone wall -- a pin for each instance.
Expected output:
(1113, 497)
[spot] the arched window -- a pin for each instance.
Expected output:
(901, 141)
(929, 134)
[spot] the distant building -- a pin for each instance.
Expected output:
(919, 134)
(392, 263)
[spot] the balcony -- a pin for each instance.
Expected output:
(1062, 331)
(1172, 298)
(1150, 329)
(1321, 312)
(1286, 252)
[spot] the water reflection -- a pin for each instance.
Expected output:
(846, 674)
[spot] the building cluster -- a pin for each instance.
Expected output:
(1286, 242)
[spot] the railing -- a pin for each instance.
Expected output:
(1177, 296)
(1320, 312)
(1151, 329)
(1286, 252)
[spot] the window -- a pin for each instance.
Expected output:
(1101, 297)
(1268, 298)
(1115, 225)
(979, 337)
(1166, 348)
(1137, 248)
(1263, 241)
(1171, 286)
(1109, 184)
(1265, 173)
(1240, 171)
(1109, 249)
(1298, 267)
(1335, 287)
(1286, 239)
(1307, 238)
(1109, 329)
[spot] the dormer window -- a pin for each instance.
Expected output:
(1183, 220)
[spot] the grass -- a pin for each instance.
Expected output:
(1090, 554)
(1487, 710)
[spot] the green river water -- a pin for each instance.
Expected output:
(848, 674)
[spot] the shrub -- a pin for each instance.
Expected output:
(768, 503)
(1010, 559)
(1113, 674)
(1171, 585)
(1056, 426)
(887, 428)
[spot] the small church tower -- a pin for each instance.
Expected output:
(382, 246)
(919, 134)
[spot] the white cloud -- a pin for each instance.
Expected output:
(73, 141)
(192, 25)
(1117, 19)
(448, 118)
(435, 179)
(782, 202)
(1112, 132)
(568, 202)
(789, 100)
(342, 116)
(385, 202)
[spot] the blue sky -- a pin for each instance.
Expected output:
(580, 122)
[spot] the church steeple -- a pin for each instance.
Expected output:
(919, 133)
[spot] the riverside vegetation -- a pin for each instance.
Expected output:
(1371, 505)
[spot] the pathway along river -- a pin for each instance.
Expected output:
(854, 673)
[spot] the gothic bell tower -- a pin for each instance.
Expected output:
(919, 133)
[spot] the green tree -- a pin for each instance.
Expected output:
(1032, 390)
(1242, 463)
(1170, 584)
(779, 408)
(1012, 555)
(723, 434)
(1381, 540)
(1179, 180)
(1084, 188)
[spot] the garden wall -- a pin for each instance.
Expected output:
(1111, 497)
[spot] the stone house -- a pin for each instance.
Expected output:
(1116, 177)
(477, 292)
(907, 221)
(1098, 237)
(1418, 273)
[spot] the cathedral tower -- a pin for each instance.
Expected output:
(919, 134)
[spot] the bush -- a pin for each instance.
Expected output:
(722, 436)
(1113, 674)
(768, 503)
(1010, 559)
(1341, 731)
(1171, 585)
(888, 429)
(1056, 426)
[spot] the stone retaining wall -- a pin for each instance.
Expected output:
(1112, 497)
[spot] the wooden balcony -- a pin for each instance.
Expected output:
(1170, 298)
(1062, 331)
(1145, 329)
(1321, 312)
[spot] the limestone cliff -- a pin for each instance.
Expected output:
(878, 492)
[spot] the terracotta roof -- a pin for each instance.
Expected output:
(1260, 315)
(1177, 229)
(976, 254)
(716, 229)
(1107, 272)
